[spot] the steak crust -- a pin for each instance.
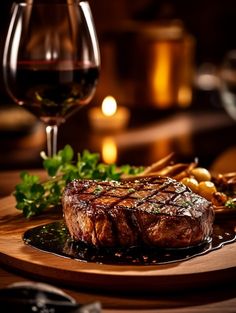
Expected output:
(154, 211)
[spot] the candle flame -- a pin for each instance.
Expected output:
(109, 106)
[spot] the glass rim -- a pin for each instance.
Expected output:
(24, 4)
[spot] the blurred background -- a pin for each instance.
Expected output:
(160, 61)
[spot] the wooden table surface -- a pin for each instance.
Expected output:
(207, 136)
(216, 298)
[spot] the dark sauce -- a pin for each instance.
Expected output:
(54, 238)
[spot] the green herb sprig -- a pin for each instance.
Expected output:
(231, 203)
(33, 196)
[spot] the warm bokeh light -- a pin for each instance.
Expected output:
(109, 106)
(109, 150)
(161, 74)
(184, 96)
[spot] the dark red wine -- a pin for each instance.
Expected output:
(52, 92)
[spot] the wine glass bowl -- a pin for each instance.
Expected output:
(228, 84)
(51, 61)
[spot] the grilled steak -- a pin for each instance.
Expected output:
(153, 211)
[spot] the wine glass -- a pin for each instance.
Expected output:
(51, 61)
(228, 83)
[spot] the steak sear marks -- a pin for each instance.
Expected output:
(153, 211)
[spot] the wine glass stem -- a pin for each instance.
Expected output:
(51, 131)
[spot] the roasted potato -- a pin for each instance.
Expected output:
(201, 174)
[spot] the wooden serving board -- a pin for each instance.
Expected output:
(215, 267)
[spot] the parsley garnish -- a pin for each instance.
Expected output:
(131, 190)
(231, 203)
(33, 196)
(98, 190)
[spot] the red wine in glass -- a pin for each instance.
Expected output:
(53, 93)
